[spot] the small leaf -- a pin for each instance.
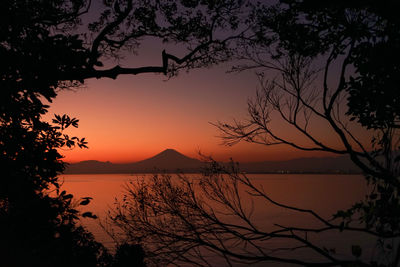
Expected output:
(85, 201)
(69, 196)
(73, 211)
(88, 214)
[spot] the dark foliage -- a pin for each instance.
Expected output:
(45, 47)
(331, 56)
(38, 221)
(330, 64)
(129, 256)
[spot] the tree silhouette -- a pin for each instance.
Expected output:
(47, 46)
(361, 40)
(350, 52)
(335, 62)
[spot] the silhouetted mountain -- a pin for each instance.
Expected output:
(171, 160)
(94, 166)
(168, 160)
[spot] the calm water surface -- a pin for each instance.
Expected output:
(323, 193)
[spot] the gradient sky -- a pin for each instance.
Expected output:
(135, 117)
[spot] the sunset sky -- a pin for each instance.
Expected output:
(135, 117)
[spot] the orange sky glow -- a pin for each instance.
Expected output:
(135, 117)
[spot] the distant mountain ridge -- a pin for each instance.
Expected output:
(172, 161)
(168, 160)
(341, 164)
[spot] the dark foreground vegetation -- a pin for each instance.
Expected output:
(47, 46)
(337, 61)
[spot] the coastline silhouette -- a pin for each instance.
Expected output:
(173, 161)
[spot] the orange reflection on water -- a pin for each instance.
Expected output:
(323, 193)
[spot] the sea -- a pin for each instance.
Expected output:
(323, 193)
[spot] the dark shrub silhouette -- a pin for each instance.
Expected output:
(44, 48)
